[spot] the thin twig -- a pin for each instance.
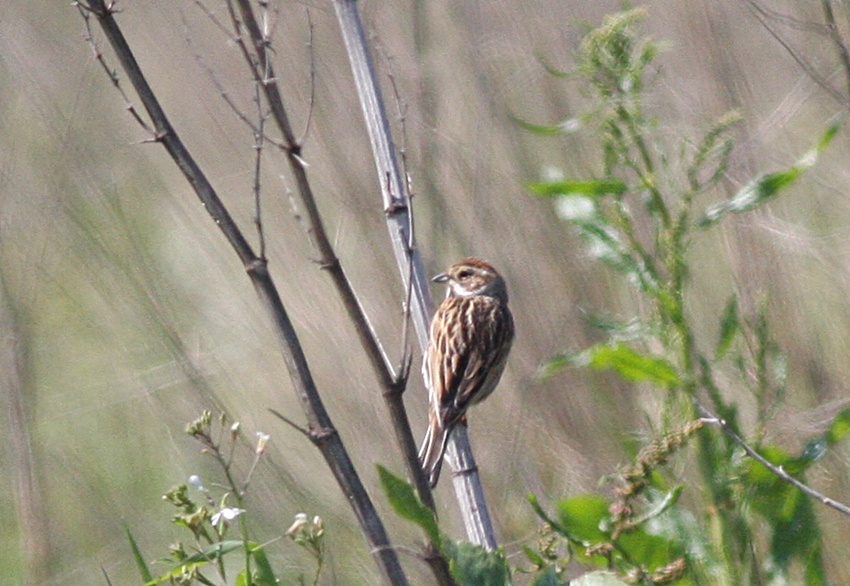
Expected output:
(762, 15)
(411, 235)
(110, 73)
(779, 471)
(211, 75)
(290, 423)
(837, 40)
(322, 431)
(257, 57)
(312, 105)
(258, 160)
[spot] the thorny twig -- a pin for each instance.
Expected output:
(85, 12)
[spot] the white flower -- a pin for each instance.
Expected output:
(195, 481)
(226, 514)
(300, 521)
(262, 440)
(575, 207)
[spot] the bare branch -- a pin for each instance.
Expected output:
(392, 384)
(258, 159)
(111, 73)
(837, 40)
(396, 202)
(763, 17)
(322, 431)
(222, 91)
(312, 80)
(290, 423)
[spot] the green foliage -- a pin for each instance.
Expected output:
(407, 505)
(472, 565)
(768, 186)
(210, 520)
(598, 579)
(632, 365)
(141, 564)
(624, 533)
(638, 216)
(578, 187)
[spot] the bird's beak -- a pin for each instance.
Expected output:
(441, 278)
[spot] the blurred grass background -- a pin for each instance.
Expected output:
(124, 313)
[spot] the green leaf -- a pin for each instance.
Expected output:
(578, 186)
(583, 516)
(648, 550)
(715, 150)
(604, 243)
(471, 564)
(840, 427)
(264, 572)
(752, 195)
(631, 365)
(534, 557)
(760, 476)
(552, 70)
(827, 138)
(815, 573)
(568, 126)
(767, 186)
(788, 513)
(407, 505)
(795, 535)
(669, 500)
(202, 558)
(598, 579)
(729, 327)
(817, 447)
(548, 577)
(535, 504)
(144, 571)
(555, 364)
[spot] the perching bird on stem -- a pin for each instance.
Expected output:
(471, 336)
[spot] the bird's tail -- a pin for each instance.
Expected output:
(433, 449)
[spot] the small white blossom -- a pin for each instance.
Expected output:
(226, 515)
(300, 521)
(262, 440)
(575, 207)
(195, 481)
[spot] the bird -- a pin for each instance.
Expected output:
(470, 338)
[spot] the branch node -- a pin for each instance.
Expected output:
(295, 152)
(290, 423)
(327, 264)
(468, 471)
(320, 434)
(257, 266)
(397, 206)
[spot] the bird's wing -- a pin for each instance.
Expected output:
(469, 355)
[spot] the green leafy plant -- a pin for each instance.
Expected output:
(469, 563)
(640, 216)
(211, 518)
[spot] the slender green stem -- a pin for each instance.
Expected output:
(647, 173)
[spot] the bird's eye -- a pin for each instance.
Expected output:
(464, 274)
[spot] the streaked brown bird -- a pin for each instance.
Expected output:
(471, 336)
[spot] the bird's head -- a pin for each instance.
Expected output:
(473, 276)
